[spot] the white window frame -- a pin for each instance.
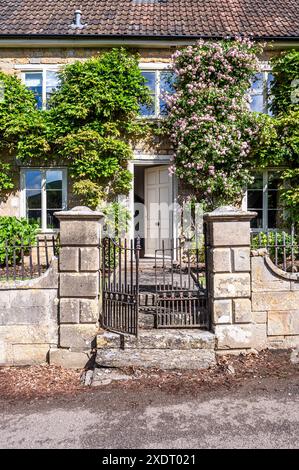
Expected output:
(265, 69)
(23, 207)
(157, 68)
(39, 68)
(265, 201)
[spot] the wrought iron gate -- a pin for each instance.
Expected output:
(181, 291)
(172, 286)
(120, 286)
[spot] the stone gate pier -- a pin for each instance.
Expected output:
(79, 286)
(253, 304)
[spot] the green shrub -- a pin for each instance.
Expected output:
(14, 234)
(264, 240)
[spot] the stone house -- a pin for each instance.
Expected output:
(38, 38)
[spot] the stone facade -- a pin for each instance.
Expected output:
(12, 59)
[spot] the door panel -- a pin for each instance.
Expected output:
(158, 198)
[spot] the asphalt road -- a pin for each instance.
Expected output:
(257, 415)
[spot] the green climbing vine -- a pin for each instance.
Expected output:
(89, 125)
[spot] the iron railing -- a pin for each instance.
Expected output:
(282, 248)
(20, 260)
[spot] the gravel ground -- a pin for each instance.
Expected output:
(244, 402)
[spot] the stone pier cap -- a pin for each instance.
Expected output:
(229, 213)
(79, 212)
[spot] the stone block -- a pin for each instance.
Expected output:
(264, 280)
(283, 322)
(278, 301)
(30, 334)
(69, 310)
(222, 311)
(89, 311)
(89, 259)
(69, 259)
(80, 233)
(230, 233)
(28, 307)
(259, 317)
(157, 358)
(241, 259)
(69, 359)
(30, 354)
(79, 285)
(221, 260)
(80, 337)
(241, 336)
(231, 285)
(242, 310)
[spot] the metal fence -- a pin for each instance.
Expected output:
(282, 247)
(21, 261)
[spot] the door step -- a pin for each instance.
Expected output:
(159, 349)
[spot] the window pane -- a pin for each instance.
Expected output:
(270, 80)
(167, 82)
(257, 103)
(51, 85)
(274, 218)
(258, 221)
(34, 199)
(255, 199)
(273, 179)
(166, 86)
(258, 181)
(54, 199)
(33, 179)
(150, 80)
(35, 216)
(272, 199)
(54, 179)
(52, 222)
(258, 82)
(34, 81)
(147, 110)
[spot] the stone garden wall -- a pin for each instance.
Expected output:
(275, 301)
(29, 319)
(55, 318)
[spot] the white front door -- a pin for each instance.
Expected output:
(158, 199)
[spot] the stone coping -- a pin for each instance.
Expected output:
(79, 213)
(272, 267)
(48, 280)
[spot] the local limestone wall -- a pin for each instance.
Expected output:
(275, 301)
(253, 304)
(29, 319)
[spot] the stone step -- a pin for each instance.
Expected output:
(188, 359)
(177, 339)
